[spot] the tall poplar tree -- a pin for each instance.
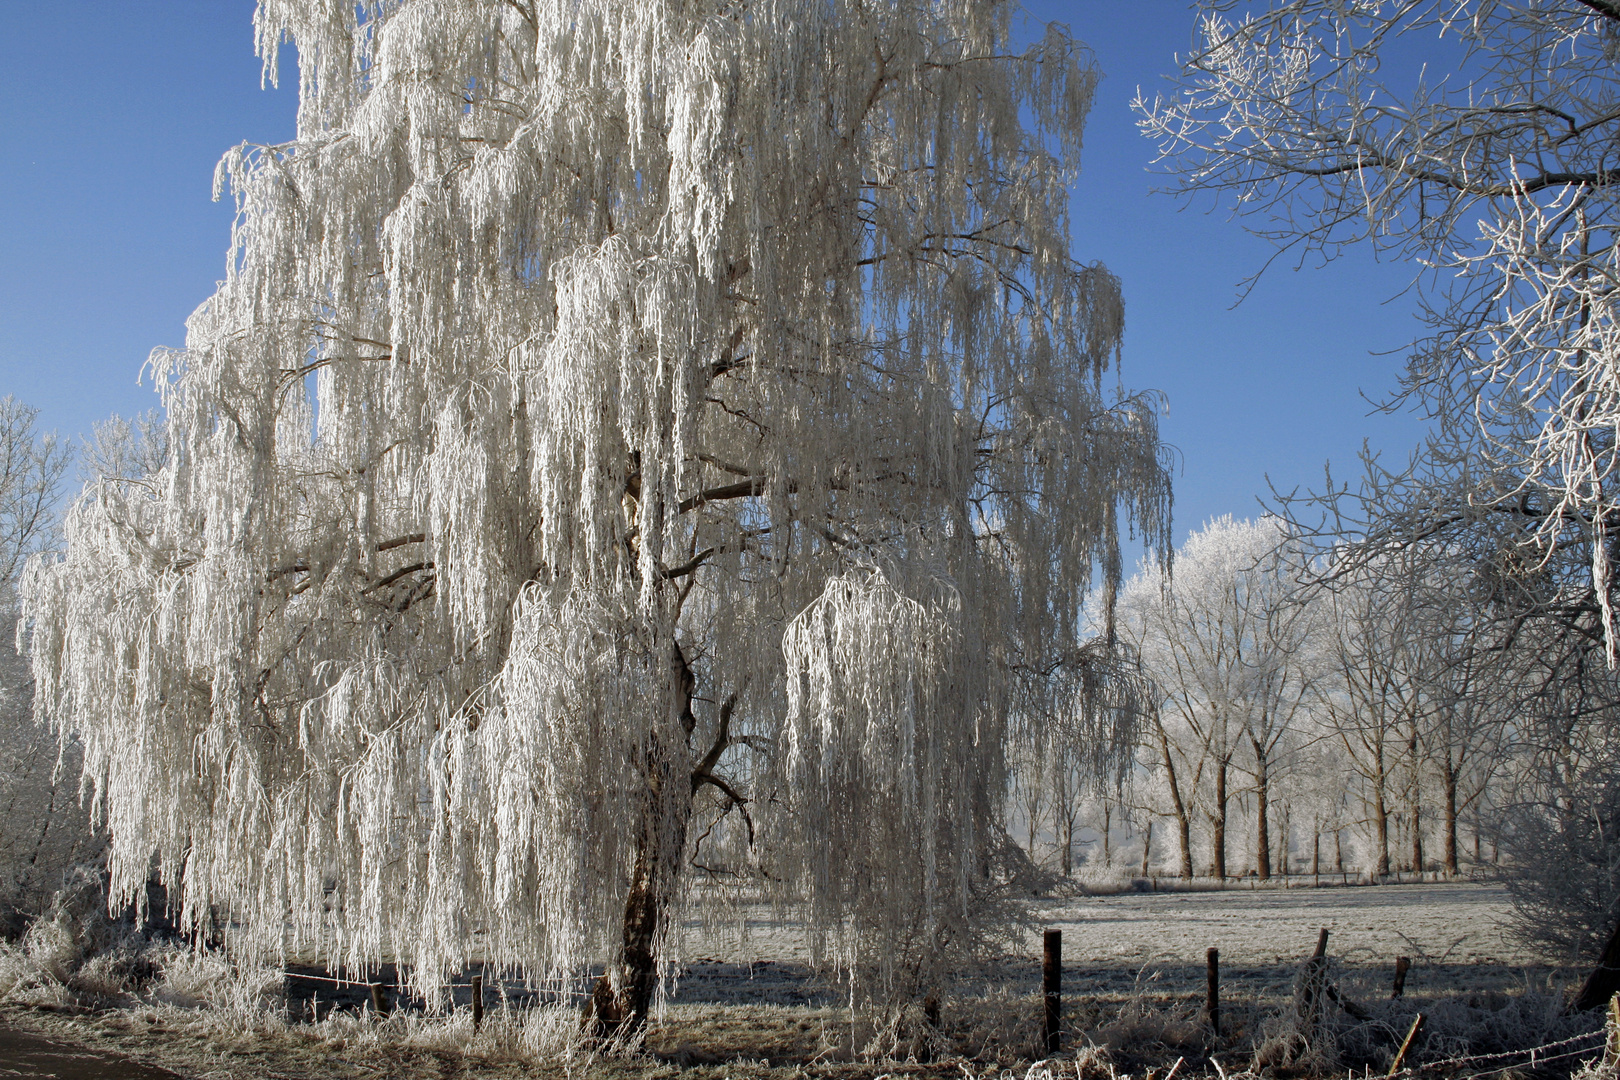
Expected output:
(633, 440)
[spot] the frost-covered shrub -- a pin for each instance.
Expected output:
(1562, 848)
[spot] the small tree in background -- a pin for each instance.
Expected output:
(1224, 642)
(43, 829)
(32, 465)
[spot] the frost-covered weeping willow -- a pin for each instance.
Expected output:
(634, 441)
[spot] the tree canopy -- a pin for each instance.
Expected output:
(631, 440)
(1476, 139)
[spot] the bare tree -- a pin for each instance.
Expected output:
(1376, 700)
(1467, 730)
(1223, 640)
(32, 467)
(1500, 182)
(121, 449)
(1281, 688)
(1176, 777)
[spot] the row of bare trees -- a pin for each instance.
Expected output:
(1467, 661)
(1314, 714)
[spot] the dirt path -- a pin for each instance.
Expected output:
(26, 1055)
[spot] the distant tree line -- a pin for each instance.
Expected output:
(1325, 711)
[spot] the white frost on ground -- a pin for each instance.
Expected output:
(1132, 943)
(1461, 922)
(1431, 923)
(1133, 983)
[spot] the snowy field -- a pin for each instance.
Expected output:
(1431, 923)
(1134, 973)
(1155, 943)
(1452, 933)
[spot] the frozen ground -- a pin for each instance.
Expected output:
(1436, 922)
(1133, 987)
(1155, 943)
(1431, 923)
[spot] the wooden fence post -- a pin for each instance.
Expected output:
(477, 1000)
(1406, 1044)
(1402, 965)
(1052, 987)
(379, 1001)
(1212, 999)
(1611, 1035)
(1315, 978)
(1604, 982)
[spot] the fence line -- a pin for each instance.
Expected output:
(1533, 1052)
(353, 982)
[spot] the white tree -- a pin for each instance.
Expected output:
(1473, 693)
(1378, 702)
(616, 419)
(42, 829)
(32, 464)
(120, 449)
(1501, 181)
(1224, 641)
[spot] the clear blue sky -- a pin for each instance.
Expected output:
(117, 112)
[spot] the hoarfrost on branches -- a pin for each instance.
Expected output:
(1500, 181)
(630, 440)
(42, 832)
(1225, 643)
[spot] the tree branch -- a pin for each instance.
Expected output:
(736, 800)
(1603, 7)
(722, 740)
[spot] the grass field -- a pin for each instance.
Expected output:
(1133, 982)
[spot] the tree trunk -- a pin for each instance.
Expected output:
(1218, 822)
(1416, 801)
(1032, 807)
(1108, 828)
(1450, 818)
(1183, 820)
(1262, 823)
(1184, 834)
(652, 887)
(1282, 843)
(666, 802)
(1381, 819)
(1604, 982)
(1067, 855)
(1147, 847)
(1417, 837)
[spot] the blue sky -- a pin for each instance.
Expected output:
(117, 112)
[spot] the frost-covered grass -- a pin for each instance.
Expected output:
(1133, 983)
